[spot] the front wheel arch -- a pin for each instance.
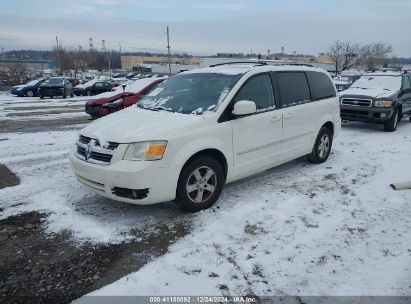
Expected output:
(214, 153)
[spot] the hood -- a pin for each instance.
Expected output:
(102, 101)
(134, 124)
(374, 93)
(18, 87)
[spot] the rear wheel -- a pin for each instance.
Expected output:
(41, 96)
(200, 184)
(391, 124)
(88, 93)
(322, 147)
(29, 93)
(64, 94)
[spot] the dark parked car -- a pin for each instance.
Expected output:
(56, 86)
(93, 87)
(29, 89)
(381, 97)
(343, 82)
(133, 93)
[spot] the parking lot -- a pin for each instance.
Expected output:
(296, 229)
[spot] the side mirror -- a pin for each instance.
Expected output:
(244, 107)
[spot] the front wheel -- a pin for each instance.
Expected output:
(200, 184)
(392, 123)
(29, 93)
(322, 146)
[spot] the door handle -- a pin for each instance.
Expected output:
(288, 115)
(275, 118)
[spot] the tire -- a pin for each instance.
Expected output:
(41, 96)
(322, 146)
(88, 93)
(64, 94)
(30, 93)
(197, 175)
(391, 124)
(409, 118)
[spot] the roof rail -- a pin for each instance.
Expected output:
(256, 63)
(261, 63)
(299, 64)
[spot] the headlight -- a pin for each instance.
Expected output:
(383, 103)
(148, 150)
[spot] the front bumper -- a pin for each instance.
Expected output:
(78, 92)
(19, 93)
(52, 92)
(94, 111)
(152, 182)
(366, 114)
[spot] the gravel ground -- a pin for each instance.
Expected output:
(55, 267)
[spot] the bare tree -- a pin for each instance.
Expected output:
(17, 72)
(345, 55)
(351, 55)
(375, 54)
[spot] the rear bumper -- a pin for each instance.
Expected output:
(366, 114)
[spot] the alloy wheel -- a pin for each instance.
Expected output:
(201, 184)
(323, 146)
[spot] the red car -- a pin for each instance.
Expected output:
(133, 93)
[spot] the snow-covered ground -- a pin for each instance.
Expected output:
(300, 229)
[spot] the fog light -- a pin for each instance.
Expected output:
(383, 115)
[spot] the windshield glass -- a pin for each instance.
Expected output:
(32, 83)
(190, 93)
(391, 83)
(54, 80)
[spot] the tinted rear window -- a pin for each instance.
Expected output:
(321, 85)
(293, 88)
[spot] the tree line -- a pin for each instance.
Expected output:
(347, 55)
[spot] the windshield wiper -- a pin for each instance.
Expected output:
(162, 109)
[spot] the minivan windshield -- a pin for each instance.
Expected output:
(190, 93)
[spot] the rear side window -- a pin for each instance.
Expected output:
(406, 83)
(259, 90)
(293, 88)
(321, 86)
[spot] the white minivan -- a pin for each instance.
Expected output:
(203, 128)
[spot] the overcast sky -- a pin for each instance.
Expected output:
(206, 26)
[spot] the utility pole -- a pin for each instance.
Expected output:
(58, 56)
(168, 48)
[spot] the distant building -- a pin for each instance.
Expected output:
(129, 62)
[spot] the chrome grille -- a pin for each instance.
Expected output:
(356, 102)
(90, 150)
